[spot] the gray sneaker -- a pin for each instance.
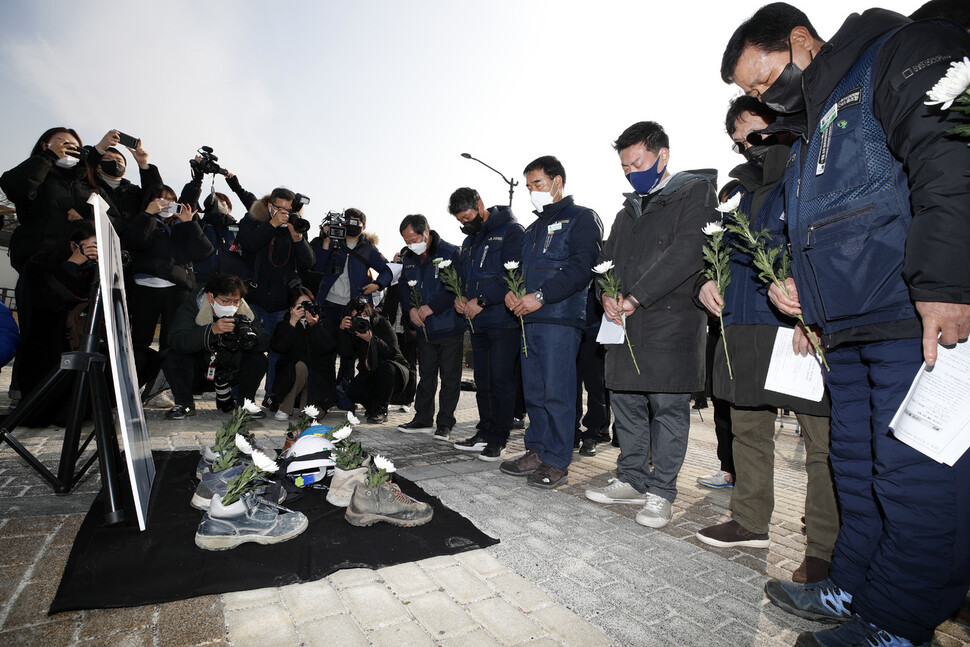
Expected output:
(616, 491)
(442, 434)
(250, 519)
(386, 502)
(213, 483)
(656, 512)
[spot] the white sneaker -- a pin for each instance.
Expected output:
(616, 491)
(717, 480)
(281, 416)
(656, 512)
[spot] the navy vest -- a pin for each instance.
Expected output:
(848, 211)
(442, 324)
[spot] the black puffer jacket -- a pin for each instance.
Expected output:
(273, 260)
(165, 251)
(126, 198)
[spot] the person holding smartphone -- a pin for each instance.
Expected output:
(108, 166)
(164, 240)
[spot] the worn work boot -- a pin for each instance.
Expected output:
(524, 465)
(250, 519)
(343, 483)
(386, 502)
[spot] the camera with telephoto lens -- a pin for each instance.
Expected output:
(242, 337)
(359, 323)
(300, 225)
(311, 308)
(208, 163)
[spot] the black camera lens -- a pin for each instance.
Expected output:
(300, 225)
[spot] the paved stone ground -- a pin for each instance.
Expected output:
(567, 571)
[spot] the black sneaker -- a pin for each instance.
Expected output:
(377, 418)
(518, 423)
(587, 447)
(492, 452)
(443, 434)
(474, 444)
(269, 402)
(415, 427)
(178, 412)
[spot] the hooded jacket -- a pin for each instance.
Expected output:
(482, 267)
(330, 264)
(445, 321)
(272, 258)
(656, 250)
(936, 266)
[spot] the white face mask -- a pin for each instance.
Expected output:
(418, 248)
(540, 199)
(68, 161)
(223, 311)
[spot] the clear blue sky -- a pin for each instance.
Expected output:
(369, 103)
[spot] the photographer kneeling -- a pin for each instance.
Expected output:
(382, 370)
(216, 342)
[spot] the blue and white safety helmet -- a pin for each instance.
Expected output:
(310, 459)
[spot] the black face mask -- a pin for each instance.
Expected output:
(472, 227)
(755, 154)
(113, 168)
(785, 95)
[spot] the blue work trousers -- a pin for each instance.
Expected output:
(493, 353)
(903, 550)
(549, 386)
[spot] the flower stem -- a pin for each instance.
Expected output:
(525, 346)
(630, 346)
(470, 324)
(724, 340)
(811, 334)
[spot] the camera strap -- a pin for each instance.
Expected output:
(210, 373)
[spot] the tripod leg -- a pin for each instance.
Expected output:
(72, 432)
(21, 412)
(107, 447)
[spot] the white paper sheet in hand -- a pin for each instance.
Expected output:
(797, 375)
(610, 332)
(934, 418)
(395, 272)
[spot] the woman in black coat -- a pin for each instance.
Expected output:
(305, 346)
(163, 246)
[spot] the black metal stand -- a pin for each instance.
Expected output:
(512, 183)
(87, 366)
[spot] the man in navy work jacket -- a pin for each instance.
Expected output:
(441, 330)
(558, 252)
(876, 207)
(493, 237)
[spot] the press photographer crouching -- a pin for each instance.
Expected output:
(216, 343)
(382, 370)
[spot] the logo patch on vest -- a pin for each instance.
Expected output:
(850, 98)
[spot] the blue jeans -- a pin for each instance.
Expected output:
(549, 385)
(270, 321)
(902, 551)
(652, 429)
(493, 352)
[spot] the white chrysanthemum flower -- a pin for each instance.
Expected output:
(342, 432)
(412, 283)
(264, 462)
(712, 228)
(512, 265)
(445, 263)
(731, 204)
(382, 463)
(243, 444)
(352, 419)
(250, 406)
(603, 267)
(311, 411)
(955, 82)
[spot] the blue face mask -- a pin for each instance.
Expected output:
(644, 181)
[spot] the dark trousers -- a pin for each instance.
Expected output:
(373, 389)
(591, 374)
(270, 321)
(493, 353)
(409, 348)
(187, 373)
(146, 306)
(722, 431)
(332, 315)
(549, 382)
(438, 356)
(902, 551)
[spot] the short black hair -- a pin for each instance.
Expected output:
(222, 284)
(463, 199)
(649, 133)
(549, 165)
(742, 104)
(768, 30)
(416, 222)
(356, 214)
(957, 11)
(281, 193)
